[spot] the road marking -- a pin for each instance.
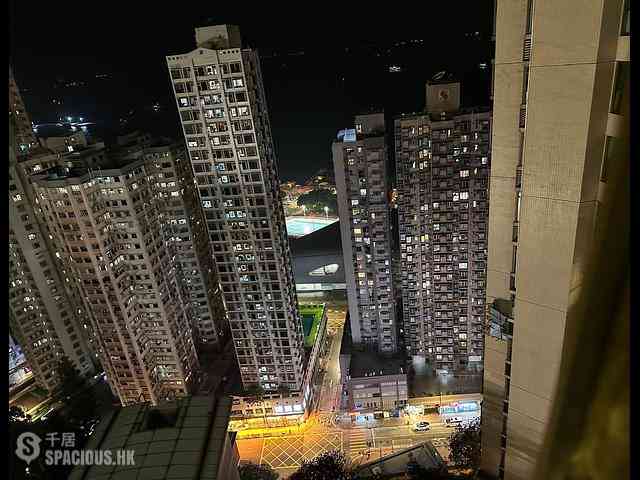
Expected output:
(261, 452)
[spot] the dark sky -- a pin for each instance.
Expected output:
(344, 68)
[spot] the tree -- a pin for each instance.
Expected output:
(17, 414)
(254, 391)
(316, 200)
(251, 471)
(70, 378)
(464, 446)
(328, 466)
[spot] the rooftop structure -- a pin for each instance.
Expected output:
(184, 439)
(318, 261)
(399, 463)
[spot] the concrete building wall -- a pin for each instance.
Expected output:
(373, 393)
(569, 77)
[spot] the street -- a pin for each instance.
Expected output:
(330, 387)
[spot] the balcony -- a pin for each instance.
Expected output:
(523, 116)
(526, 48)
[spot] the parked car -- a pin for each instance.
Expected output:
(421, 427)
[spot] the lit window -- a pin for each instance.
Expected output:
(464, 173)
(462, 265)
(464, 195)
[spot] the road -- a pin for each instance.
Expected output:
(360, 443)
(330, 388)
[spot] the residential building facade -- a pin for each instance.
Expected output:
(107, 225)
(442, 165)
(221, 102)
(561, 106)
(45, 312)
(360, 160)
(183, 231)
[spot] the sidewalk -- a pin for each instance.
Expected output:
(271, 432)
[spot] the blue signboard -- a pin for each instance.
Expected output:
(460, 407)
(350, 135)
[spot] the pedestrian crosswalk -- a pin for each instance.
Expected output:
(358, 442)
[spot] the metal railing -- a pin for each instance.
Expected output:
(526, 48)
(523, 116)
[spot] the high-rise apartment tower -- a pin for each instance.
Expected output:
(108, 226)
(222, 106)
(360, 160)
(561, 101)
(442, 165)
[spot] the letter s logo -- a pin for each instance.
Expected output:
(28, 447)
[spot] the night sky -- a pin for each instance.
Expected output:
(319, 68)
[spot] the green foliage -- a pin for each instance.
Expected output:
(464, 446)
(251, 471)
(328, 466)
(254, 391)
(70, 379)
(316, 200)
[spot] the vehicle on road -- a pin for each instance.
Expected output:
(421, 427)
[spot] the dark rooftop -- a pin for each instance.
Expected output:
(323, 241)
(366, 363)
(369, 363)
